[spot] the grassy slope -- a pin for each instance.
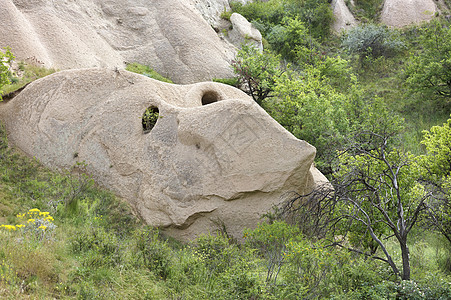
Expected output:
(99, 250)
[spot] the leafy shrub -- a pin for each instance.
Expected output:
(153, 254)
(150, 118)
(292, 40)
(257, 72)
(427, 72)
(99, 247)
(215, 251)
(373, 40)
(316, 14)
(6, 57)
(271, 240)
(367, 9)
(226, 15)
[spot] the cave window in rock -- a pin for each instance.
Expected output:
(150, 118)
(210, 97)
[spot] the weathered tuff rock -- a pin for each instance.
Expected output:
(214, 156)
(170, 35)
(344, 19)
(399, 13)
(244, 32)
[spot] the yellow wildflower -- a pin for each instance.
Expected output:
(9, 227)
(34, 210)
(20, 226)
(50, 218)
(42, 227)
(44, 213)
(31, 220)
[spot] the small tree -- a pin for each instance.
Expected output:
(437, 166)
(6, 58)
(257, 72)
(376, 192)
(428, 72)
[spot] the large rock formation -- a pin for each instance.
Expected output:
(244, 32)
(171, 36)
(213, 157)
(399, 13)
(344, 19)
(211, 10)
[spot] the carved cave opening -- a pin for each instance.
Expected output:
(210, 97)
(150, 118)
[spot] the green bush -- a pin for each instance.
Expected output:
(98, 247)
(257, 72)
(428, 70)
(6, 58)
(216, 251)
(270, 240)
(316, 14)
(292, 40)
(367, 9)
(152, 253)
(373, 40)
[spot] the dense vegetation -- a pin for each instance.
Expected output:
(64, 238)
(376, 104)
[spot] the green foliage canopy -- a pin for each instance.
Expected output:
(317, 14)
(437, 163)
(428, 73)
(257, 72)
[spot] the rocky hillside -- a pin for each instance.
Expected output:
(171, 36)
(177, 38)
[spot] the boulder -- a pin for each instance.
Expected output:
(244, 32)
(399, 13)
(344, 19)
(213, 156)
(211, 10)
(171, 36)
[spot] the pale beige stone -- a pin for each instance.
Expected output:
(171, 36)
(244, 32)
(227, 162)
(399, 13)
(344, 19)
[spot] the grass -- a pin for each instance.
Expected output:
(30, 73)
(366, 10)
(100, 250)
(146, 71)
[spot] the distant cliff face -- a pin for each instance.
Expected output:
(171, 35)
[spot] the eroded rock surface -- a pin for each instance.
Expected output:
(344, 19)
(244, 32)
(399, 13)
(171, 36)
(213, 157)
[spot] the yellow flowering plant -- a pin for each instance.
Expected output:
(34, 223)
